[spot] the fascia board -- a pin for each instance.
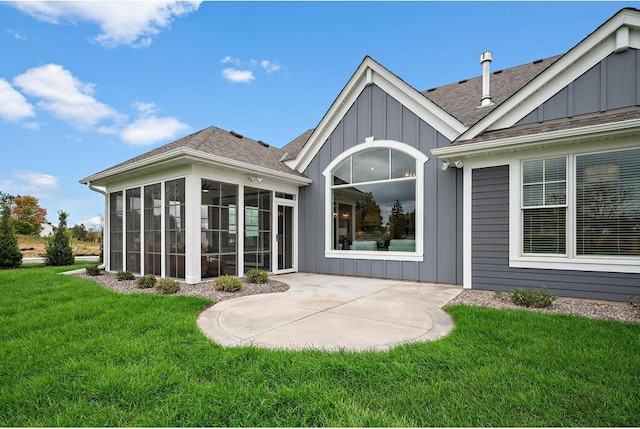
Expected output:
(370, 72)
(570, 66)
(572, 135)
(165, 156)
(197, 156)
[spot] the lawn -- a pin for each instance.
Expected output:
(75, 354)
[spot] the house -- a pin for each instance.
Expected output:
(47, 230)
(522, 177)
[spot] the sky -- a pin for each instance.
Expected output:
(87, 85)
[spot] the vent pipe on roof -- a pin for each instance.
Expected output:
(485, 60)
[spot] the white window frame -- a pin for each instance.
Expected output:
(570, 260)
(371, 143)
(523, 208)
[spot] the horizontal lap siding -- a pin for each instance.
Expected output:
(377, 114)
(490, 251)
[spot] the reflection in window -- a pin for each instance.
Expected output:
(218, 226)
(374, 202)
(608, 203)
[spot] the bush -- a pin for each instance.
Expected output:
(58, 250)
(10, 255)
(167, 286)
(257, 276)
(93, 270)
(146, 282)
(228, 284)
(532, 298)
(124, 275)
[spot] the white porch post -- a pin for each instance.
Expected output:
(240, 232)
(192, 225)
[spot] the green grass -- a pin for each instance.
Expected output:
(75, 354)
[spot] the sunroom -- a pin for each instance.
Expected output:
(192, 215)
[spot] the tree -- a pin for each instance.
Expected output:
(397, 221)
(6, 199)
(28, 216)
(58, 251)
(10, 256)
(79, 232)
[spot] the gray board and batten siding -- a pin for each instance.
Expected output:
(377, 114)
(613, 83)
(490, 251)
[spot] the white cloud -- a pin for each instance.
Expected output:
(32, 179)
(17, 35)
(13, 105)
(270, 66)
(40, 185)
(93, 222)
(144, 108)
(121, 23)
(151, 129)
(65, 96)
(234, 75)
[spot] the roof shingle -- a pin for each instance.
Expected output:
(461, 99)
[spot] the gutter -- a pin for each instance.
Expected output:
(104, 194)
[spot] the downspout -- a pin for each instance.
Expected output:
(100, 191)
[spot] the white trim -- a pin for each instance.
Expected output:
(370, 142)
(240, 228)
(142, 233)
(590, 51)
(106, 235)
(370, 71)
(163, 231)
(576, 264)
(541, 140)
(467, 227)
(193, 156)
(375, 256)
(193, 248)
(275, 202)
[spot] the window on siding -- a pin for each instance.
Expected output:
(374, 202)
(544, 206)
(608, 203)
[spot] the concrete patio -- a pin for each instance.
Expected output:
(333, 313)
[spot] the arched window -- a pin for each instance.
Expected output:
(375, 202)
